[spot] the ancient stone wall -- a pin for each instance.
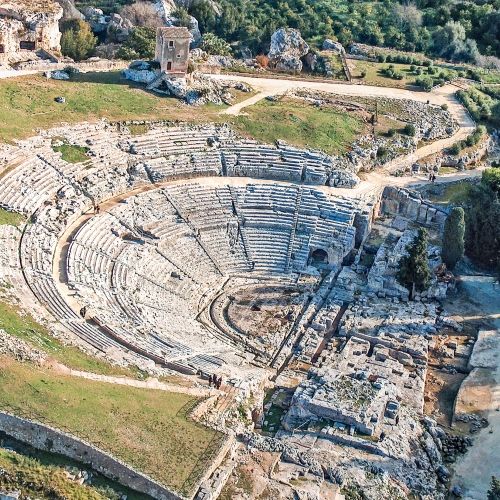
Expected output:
(46, 438)
(397, 201)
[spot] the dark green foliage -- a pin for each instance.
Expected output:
(455, 29)
(453, 237)
(409, 129)
(139, 45)
(483, 103)
(425, 82)
(414, 272)
(494, 491)
(212, 44)
(471, 140)
(77, 40)
(482, 213)
(182, 16)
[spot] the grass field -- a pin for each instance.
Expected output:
(147, 429)
(300, 124)
(42, 475)
(25, 327)
(454, 193)
(374, 76)
(28, 103)
(10, 218)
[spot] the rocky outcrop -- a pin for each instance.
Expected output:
(287, 49)
(335, 47)
(69, 10)
(27, 27)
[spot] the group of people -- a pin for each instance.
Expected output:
(216, 382)
(432, 176)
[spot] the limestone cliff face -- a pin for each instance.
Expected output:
(28, 26)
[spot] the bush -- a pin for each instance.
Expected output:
(409, 129)
(139, 45)
(414, 272)
(77, 40)
(382, 152)
(391, 132)
(453, 237)
(444, 107)
(212, 44)
(262, 61)
(425, 82)
(381, 58)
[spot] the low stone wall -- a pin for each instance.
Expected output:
(46, 438)
(84, 66)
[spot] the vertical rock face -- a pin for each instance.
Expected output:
(28, 26)
(287, 49)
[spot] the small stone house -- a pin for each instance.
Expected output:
(27, 27)
(172, 50)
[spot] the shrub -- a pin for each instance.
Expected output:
(77, 40)
(409, 129)
(444, 107)
(424, 82)
(212, 44)
(453, 237)
(381, 58)
(391, 132)
(262, 61)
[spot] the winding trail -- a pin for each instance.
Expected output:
(443, 95)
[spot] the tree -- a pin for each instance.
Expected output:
(414, 272)
(142, 14)
(212, 44)
(139, 45)
(453, 237)
(77, 40)
(494, 491)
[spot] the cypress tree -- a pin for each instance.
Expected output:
(453, 237)
(414, 272)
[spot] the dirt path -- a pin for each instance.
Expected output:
(442, 95)
(473, 470)
(150, 383)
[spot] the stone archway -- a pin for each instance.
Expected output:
(319, 256)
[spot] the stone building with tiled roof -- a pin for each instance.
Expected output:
(172, 50)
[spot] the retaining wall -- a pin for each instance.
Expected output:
(46, 438)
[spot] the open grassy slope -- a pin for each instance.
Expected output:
(300, 124)
(42, 475)
(27, 103)
(147, 429)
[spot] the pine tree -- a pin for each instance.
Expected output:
(414, 272)
(453, 237)
(494, 491)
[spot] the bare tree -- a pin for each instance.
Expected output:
(142, 14)
(408, 14)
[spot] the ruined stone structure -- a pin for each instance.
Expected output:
(28, 29)
(172, 50)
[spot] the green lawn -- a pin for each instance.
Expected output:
(27, 103)
(374, 76)
(300, 124)
(10, 218)
(22, 325)
(147, 429)
(72, 153)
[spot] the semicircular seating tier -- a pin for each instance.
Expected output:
(146, 266)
